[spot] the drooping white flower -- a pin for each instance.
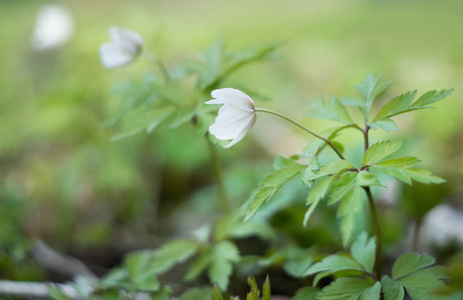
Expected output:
(53, 27)
(124, 48)
(236, 117)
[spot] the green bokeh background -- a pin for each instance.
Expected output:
(63, 181)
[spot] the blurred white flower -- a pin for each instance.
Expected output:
(235, 118)
(53, 27)
(124, 48)
(443, 225)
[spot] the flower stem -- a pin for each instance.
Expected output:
(327, 141)
(374, 217)
(159, 62)
(217, 174)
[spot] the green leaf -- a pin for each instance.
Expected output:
(266, 293)
(143, 119)
(316, 145)
(378, 151)
(214, 56)
(297, 260)
(197, 294)
(421, 284)
(225, 254)
(431, 97)
(350, 289)
(170, 254)
(200, 264)
(332, 264)
(334, 110)
(393, 290)
(254, 293)
(306, 293)
(403, 103)
(405, 174)
(384, 124)
(365, 178)
(409, 263)
(341, 187)
(333, 167)
(403, 162)
(310, 172)
(216, 294)
(363, 250)
(251, 54)
(114, 278)
(270, 185)
(141, 275)
(370, 89)
(314, 197)
(347, 228)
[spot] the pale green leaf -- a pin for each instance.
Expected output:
(114, 278)
(172, 253)
(378, 151)
(333, 167)
(334, 110)
(384, 124)
(371, 293)
(309, 172)
(270, 185)
(370, 89)
(200, 264)
(333, 263)
(225, 254)
(365, 178)
(409, 263)
(403, 162)
(398, 105)
(431, 97)
(254, 293)
(56, 293)
(393, 290)
(363, 250)
(297, 260)
(181, 116)
(347, 228)
(316, 145)
(341, 186)
(421, 284)
(314, 197)
(406, 174)
(349, 289)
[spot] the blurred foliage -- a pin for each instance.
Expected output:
(63, 180)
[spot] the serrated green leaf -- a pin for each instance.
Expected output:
(405, 174)
(333, 167)
(216, 294)
(225, 254)
(282, 162)
(365, 178)
(431, 97)
(398, 105)
(403, 162)
(393, 290)
(363, 250)
(334, 110)
(332, 264)
(378, 151)
(137, 266)
(371, 293)
(409, 263)
(270, 185)
(350, 289)
(422, 283)
(297, 260)
(314, 197)
(341, 186)
(254, 293)
(384, 124)
(370, 89)
(170, 254)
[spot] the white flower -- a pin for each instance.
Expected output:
(53, 27)
(124, 48)
(235, 118)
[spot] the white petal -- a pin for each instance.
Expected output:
(232, 96)
(130, 41)
(243, 132)
(112, 56)
(230, 122)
